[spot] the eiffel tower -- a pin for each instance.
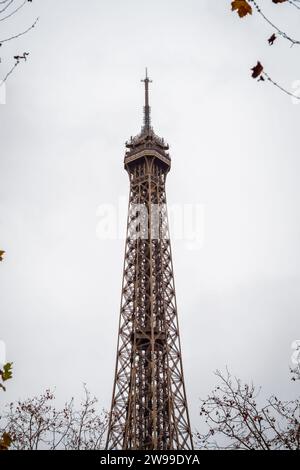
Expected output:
(149, 407)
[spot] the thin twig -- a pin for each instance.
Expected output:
(280, 87)
(9, 73)
(5, 8)
(20, 34)
(294, 4)
(13, 12)
(279, 31)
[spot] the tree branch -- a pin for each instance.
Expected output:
(5, 8)
(15, 11)
(279, 31)
(20, 34)
(280, 87)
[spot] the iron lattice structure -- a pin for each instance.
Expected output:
(149, 405)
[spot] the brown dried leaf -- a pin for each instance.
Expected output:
(257, 70)
(272, 39)
(5, 441)
(242, 6)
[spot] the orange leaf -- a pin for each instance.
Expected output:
(242, 6)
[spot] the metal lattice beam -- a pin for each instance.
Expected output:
(149, 405)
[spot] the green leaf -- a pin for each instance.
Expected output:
(7, 371)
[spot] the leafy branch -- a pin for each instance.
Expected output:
(243, 9)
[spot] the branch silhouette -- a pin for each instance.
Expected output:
(5, 8)
(18, 58)
(279, 30)
(244, 8)
(19, 34)
(15, 11)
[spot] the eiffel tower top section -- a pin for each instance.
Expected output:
(147, 143)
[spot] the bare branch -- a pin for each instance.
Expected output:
(5, 8)
(280, 87)
(10, 72)
(20, 34)
(233, 419)
(15, 11)
(36, 424)
(294, 4)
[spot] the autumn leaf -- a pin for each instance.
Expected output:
(257, 70)
(272, 39)
(5, 441)
(1, 255)
(242, 6)
(258, 418)
(6, 373)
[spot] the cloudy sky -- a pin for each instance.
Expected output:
(234, 145)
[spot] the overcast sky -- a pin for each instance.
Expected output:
(234, 145)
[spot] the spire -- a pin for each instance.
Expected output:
(147, 119)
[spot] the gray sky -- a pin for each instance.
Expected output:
(234, 148)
